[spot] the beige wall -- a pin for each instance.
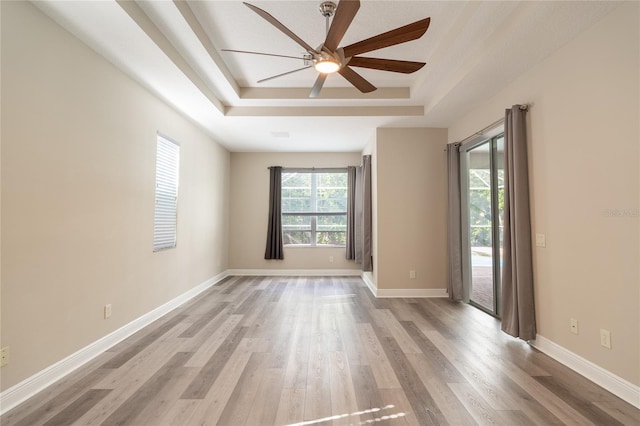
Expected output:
(78, 171)
(250, 205)
(584, 140)
(411, 208)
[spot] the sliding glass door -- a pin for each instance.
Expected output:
(483, 212)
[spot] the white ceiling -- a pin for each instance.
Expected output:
(173, 48)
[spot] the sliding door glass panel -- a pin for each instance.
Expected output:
(498, 156)
(481, 235)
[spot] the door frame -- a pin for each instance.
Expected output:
(495, 228)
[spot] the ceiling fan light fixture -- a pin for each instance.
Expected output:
(326, 65)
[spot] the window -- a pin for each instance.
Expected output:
(314, 207)
(166, 209)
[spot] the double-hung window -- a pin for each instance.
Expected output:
(314, 207)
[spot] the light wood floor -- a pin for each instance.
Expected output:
(274, 350)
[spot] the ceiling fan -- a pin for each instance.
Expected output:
(328, 58)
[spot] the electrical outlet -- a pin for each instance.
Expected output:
(541, 240)
(605, 338)
(330, 259)
(107, 311)
(573, 324)
(412, 275)
(4, 356)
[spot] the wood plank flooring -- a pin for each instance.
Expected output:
(321, 350)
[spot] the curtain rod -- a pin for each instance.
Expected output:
(309, 168)
(493, 125)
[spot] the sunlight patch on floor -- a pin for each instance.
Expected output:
(357, 413)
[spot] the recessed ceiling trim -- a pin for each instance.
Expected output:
(145, 23)
(330, 111)
(201, 34)
(326, 93)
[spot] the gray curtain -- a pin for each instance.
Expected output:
(362, 220)
(274, 248)
(518, 310)
(367, 255)
(454, 224)
(358, 216)
(351, 213)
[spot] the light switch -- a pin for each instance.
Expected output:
(541, 240)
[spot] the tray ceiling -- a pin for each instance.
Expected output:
(174, 49)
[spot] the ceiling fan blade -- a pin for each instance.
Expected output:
(390, 38)
(315, 91)
(261, 53)
(283, 74)
(273, 21)
(405, 67)
(345, 13)
(357, 80)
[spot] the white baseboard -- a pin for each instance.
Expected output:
(296, 272)
(411, 292)
(614, 384)
(402, 292)
(34, 384)
(368, 280)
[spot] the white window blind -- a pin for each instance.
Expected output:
(166, 209)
